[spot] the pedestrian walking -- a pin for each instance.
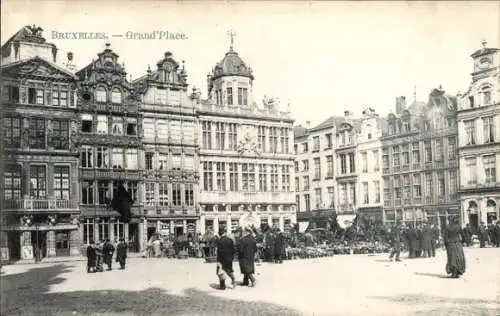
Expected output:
(396, 241)
(91, 257)
(435, 239)
(427, 240)
(108, 250)
(121, 253)
(246, 255)
(455, 264)
(483, 235)
(279, 247)
(225, 256)
(411, 235)
(496, 235)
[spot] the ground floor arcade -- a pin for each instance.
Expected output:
(479, 208)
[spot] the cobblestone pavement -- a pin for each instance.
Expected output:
(340, 285)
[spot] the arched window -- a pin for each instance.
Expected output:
(116, 96)
(491, 211)
(100, 95)
(486, 95)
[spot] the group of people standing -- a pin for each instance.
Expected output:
(245, 248)
(489, 235)
(99, 254)
(423, 240)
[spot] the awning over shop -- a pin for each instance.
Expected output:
(303, 226)
(345, 221)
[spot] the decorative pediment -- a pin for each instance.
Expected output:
(37, 67)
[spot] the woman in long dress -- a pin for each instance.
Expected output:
(454, 251)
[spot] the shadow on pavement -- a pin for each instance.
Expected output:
(445, 306)
(27, 294)
(436, 275)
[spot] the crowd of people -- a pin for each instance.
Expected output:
(99, 254)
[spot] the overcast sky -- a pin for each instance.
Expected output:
(323, 57)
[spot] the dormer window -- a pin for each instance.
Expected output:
(391, 129)
(486, 97)
(116, 96)
(406, 127)
(242, 96)
(100, 95)
(471, 101)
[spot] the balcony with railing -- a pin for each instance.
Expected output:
(31, 205)
(110, 108)
(216, 197)
(244, 111)
(486, 186)
(106, 174)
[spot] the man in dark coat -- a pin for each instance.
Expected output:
(418, 245)
(121, 202)
(483, 235)
(496, 235)
(121, 253)
(396, 241)
(427, 237)
(91, 257)
(435, 239)
(225, 255)
(412, 240)
(246, 255)
(467, 235)
(279, 247)
(107, 251)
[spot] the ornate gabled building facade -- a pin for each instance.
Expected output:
(169, 152)
(246, 158)
(109, 143)
(369, 158)
(479, 140)
(39, 200)
(419, 161)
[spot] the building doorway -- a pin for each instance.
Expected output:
(179, 231)
(14, 244)
(491, 212)
(62, 243)
(473, 215)
(39, 243)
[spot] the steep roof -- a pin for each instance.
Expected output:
(329, 122)
(35, 69)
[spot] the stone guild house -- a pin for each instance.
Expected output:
(246, 159)
(39, 176)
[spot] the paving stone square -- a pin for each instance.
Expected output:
(339, 285)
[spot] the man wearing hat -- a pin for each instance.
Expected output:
(91, 257)
(246, 255)
(396, 241)
(225, 255)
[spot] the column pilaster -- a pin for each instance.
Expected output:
(51, 243)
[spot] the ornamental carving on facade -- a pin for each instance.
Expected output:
(248, 144)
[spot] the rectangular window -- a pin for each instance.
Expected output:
(305, 164)
(452, 148)
(10, 94)
(297, 184)
(263, 178)
(117, 158)
(61, 182)
(441, 184)
(131, 127)
(489, 163)
(176, 194)
(102, 157)
(376, 161)
(88, 231)
(317, 169)
(489, 129)
(283, 140)
(273, 140)
(148, 128)
(470, 132)
(385, 158)
(220, 136)
(453, 182)
(102, 124)
(38, 182)
(406, 154)
(376, 186)
(470, 166)
(233, 176)
(406, 186)
(364, 161)
(262, 138)
(396, 162)
(428, 151)
(307, 202)
(221, 176)
(87, 123)
(60, 134)
(439, 150)
(13, 182)
(232, 136)
(149, 160)
(397, 187)
(352, 163)
(132, 188)
(428, 185)
(87, 192)
(296, 166)
(343, 164)
(100, 95)
(12, 132)
(132, 159)
(317, 197)
(189, 194)
(176, 162)
(417, 188)
(415, 152)
(366, 196)
(329, 166)
(248, 174)
(242, 96)
(306, 183)
(274, 178)
(86, 158)
(285, 178)
(297, 203)
(229, 92)
(117, 127)
(206, 128)
(208, 181)
(150, 193)
(329, 143)
(37, 133)
(315, 143)
(163, 194)
(102, 192)
(162, 161)
(331, 197)
(40, 97)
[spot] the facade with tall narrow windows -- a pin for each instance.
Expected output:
(168, 194)
(246, 158)
(38, 180)
(109, 144)
(479, 140)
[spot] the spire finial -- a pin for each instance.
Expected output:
(108, 44)
(231, 38)
(484, 43)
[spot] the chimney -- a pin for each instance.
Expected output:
(308, 124)
(400, 104)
